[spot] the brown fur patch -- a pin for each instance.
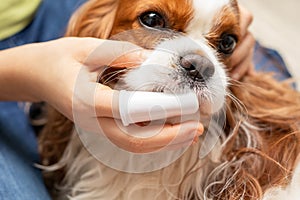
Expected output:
(225, 22)
(128, 12)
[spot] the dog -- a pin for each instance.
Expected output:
(254, 155)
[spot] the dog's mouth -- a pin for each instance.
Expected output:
(175, 80)
(182, 80)
(177, 65)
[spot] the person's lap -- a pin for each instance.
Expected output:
(19, 179)
(269, 60)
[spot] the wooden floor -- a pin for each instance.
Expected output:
(277, 24)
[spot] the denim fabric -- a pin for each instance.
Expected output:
(49, 23)
(19, 179)
(269, 60)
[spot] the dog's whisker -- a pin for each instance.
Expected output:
(113, 73)
(238, 104)
(111, 76)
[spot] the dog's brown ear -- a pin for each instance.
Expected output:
(94, 19)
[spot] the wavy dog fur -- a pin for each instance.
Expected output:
(256, 152)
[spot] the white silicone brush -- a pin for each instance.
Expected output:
(137, 106)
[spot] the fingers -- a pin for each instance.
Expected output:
(117, 53)
(95, 100)
(106, 102)
(165, 137)
(243, 50)
(246, 19)
(95, 52)
(246, 67)
(241, 60)
(131, 59)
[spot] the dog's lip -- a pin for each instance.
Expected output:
(205, 106)
(205, 112)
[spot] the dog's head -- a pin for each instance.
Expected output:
(192, 38)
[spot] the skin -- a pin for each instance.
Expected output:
(49, 72)
(31, 73)
(241, 59)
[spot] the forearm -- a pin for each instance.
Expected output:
(17, 73)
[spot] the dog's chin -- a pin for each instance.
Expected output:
(207, 108)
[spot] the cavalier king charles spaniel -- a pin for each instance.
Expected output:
(254, 155)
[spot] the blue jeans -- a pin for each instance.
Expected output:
(269, 60)
(19, 179)
(49, 23)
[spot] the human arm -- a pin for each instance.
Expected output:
(51, 71)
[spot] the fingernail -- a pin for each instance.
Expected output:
(199, 132)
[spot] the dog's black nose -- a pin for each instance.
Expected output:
(198, 67)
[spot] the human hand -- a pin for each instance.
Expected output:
(64, 74)
(241, 61)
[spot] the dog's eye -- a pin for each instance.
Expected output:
(152, 20)
(227, 43)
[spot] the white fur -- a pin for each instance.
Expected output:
(205, 11)
(87, 178)
(157, 68)
(291, 192)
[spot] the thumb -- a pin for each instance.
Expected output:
(118, 54)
